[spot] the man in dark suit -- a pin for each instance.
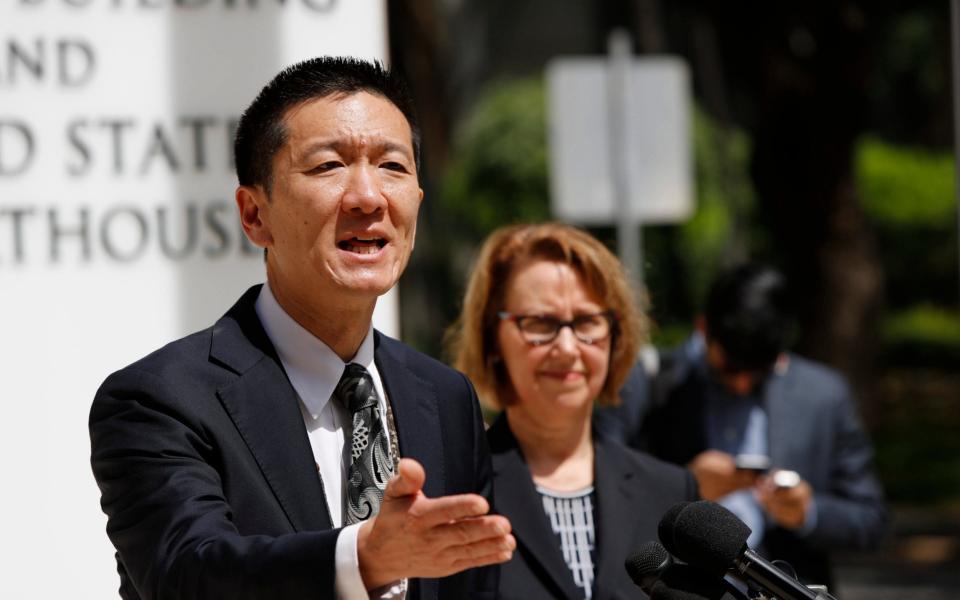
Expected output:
(804, 480)
(261, 457)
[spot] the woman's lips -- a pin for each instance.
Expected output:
(564, 375)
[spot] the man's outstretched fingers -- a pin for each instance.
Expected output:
(486, 552)
(472, 537)
(408, 480)
(439, 511)
(477, 529)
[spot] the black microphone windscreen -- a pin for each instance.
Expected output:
(709, 536)
(667, 524)
(647, 563)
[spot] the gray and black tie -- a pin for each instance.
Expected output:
(370, 463)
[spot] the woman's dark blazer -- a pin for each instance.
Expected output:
(633, 490)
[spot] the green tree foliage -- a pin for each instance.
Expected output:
(923, 335)
(908, 193)
(499, 174)
(906, 188)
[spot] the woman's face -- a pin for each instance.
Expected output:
(561, 376)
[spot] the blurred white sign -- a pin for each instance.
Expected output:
(658, 141)
(118, 230)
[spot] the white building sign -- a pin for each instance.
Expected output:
(118, 230)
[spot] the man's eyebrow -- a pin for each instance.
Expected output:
(319, 146)
(382, 147)
(395, 147)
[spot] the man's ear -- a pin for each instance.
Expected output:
(253, 206)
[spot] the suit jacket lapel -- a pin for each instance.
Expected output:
(616, 500)
(266, 411)
(415, 405)
(515, 494)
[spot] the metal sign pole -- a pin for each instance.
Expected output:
(629, 242)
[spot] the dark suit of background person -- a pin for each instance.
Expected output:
(813, 429)
(207, 473)
(633, 491)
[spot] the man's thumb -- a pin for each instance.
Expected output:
(408, 480)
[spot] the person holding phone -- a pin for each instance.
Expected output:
(772, 436)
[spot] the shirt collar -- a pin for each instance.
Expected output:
(313, 368)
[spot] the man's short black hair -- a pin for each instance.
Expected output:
(261, 131)
(749, 314)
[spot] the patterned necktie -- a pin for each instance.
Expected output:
(370, 464)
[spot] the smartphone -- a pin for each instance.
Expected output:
(759, 463)
(784, 479)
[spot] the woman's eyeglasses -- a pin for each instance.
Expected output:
(540, 329)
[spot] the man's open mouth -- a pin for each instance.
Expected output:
(362, 245)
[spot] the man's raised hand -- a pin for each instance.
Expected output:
(416, 536)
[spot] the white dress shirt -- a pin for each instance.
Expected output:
(314, 371)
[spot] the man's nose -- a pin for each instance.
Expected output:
(363, 192)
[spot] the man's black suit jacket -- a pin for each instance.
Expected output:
(209, 483)
(632, 492)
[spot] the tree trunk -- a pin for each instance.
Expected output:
(812, 108)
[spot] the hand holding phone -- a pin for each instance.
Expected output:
(786, 497)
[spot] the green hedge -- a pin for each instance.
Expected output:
(922, 336)
(906, 187)
(908, 194)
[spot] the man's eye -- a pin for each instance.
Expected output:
(394, 166)
(325, 166)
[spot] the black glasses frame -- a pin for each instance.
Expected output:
(518, 319)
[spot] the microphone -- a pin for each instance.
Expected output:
(647, 564)
(652, 568)
(665, 527)
(712, 538)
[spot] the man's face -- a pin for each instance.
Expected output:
(736, 381)
(341, 215)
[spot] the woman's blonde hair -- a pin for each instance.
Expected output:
(472, 340)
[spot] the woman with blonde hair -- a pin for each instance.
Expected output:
(550, 326)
